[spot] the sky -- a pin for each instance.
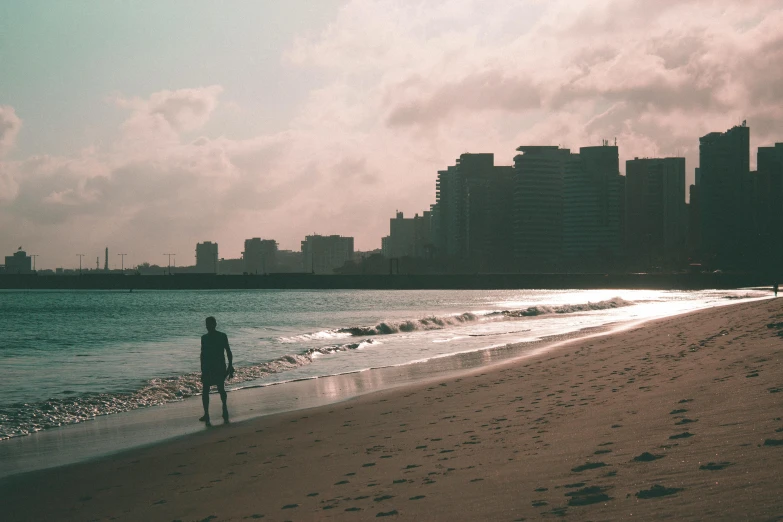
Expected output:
(147, 127)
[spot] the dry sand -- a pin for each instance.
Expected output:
(679, 418)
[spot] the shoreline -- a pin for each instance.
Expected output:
(107, 435)
(502, 442)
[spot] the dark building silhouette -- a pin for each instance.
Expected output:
(260, 256)
(231, 266)
(18, 263)
(471, 216)
(207, 257)
(538, 205)
(323, 254)
(694, 221)
(408, 237)
(289, 261)
(568, 208)
(724, 196)
(656, 215)
(593, 209)
(767, 206)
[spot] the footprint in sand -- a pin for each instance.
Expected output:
(773, 442)
(715, 466)
(588, 465)
(685, 421)
(587, 496)
(647, 457)
(683, 435)
(387, 514)
(657, 491)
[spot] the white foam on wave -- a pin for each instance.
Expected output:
(23, 419)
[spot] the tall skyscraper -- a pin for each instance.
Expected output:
(768, 204)
(207, 257)
(724, 193)
(592, 209)
(449, 189)
(539, 174)
(473, 210)
(656, 216)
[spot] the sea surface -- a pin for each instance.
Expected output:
(69, 356)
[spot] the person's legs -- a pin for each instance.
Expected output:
(205, 401)
(223, 397)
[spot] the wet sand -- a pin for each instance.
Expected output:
(678, 418)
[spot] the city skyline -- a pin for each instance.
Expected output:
(322, 123)
(601, 223)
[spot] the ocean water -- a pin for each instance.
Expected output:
(69, 356)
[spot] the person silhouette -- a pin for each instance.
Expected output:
(775, 288)
(213, 367)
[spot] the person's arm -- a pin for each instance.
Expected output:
(201, 356)
(230, 370)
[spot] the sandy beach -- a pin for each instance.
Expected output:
(677, 418)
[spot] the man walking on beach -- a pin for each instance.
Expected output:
(213, 366)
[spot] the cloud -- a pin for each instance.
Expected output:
(9, 128)
(408, 87)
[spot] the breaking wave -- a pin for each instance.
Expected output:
(615, 302)
(23, 419)
(446, 321)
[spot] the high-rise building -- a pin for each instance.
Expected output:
(18, 263)
(539, 173)
(592, 209)
(259, 256)
(768, 204)
(322, 254)
(471, 217)
(656, 216)
(447, 212)
(207, 257)
(724, 193)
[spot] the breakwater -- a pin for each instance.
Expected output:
(103, 281)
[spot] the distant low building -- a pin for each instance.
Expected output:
(18, 263)
(260, 255)
(323, 254)
(207, 258)
(408, 237)
(289, 261)
(231, 266)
